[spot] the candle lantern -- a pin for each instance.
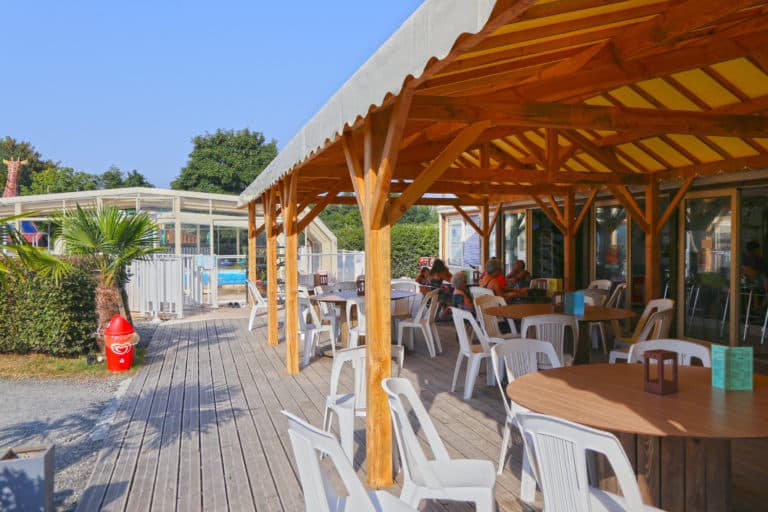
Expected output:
(663, 383)
(361, 286)
(558, 302)
(475, 276)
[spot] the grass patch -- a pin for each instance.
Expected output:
(36, 366)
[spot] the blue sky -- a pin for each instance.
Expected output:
(99, 83)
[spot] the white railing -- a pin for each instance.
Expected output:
(340, 266)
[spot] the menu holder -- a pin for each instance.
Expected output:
(732, 368)
(573, 303)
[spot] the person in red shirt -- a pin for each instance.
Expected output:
(494, 277)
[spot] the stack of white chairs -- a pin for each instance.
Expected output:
(475, 354)
(317, 482)
(424, 320)
(552, 328)
(358, 305)
(686, 351)
(519, 357)
(441, 478)
(562, 450)
(329, 313)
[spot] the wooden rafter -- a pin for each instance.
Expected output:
(674, 203)
(628, 201)
(320, 205)
(584, 209)
(468, 219)
(494, 218)
(354, 168)
(605, 156)
(549, 213)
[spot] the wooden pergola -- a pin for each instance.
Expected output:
(550, 100)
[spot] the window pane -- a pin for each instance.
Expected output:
(754, 273)
(611, 243)
(547, 247)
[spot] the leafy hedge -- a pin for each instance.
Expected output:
(38, 316)
(409, 242)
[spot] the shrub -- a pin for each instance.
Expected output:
(39, 316)
(409, 242)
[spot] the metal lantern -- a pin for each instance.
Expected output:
(361, 286)
(660, 385)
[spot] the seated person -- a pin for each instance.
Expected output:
(423, 279)
(493, 279)
(461, 297)
(519, 277)
(437, 276)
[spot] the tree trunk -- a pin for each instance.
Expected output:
(108, 302)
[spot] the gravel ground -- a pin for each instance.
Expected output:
(64, 412)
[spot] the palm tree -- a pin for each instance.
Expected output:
(111, 240)
(17, 256)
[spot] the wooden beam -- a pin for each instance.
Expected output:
(605, 156)
(712, 168)
(355, 168)
(652, 249)
(435, 169)
(516, 175)
(269, 200)
(495, 217)
(627, 200)
(584, 210)
(549, 213)
(468, 219)
(587, 117)
(556, 211)
(321, 204)
(288, 203)
(252, 275)
(674, 203)
(485, 246)
(569, 243)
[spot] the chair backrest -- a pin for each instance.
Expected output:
(559, 449)
(357, 303)
(520, 356)
(597, 296)
(257, 298)
(488, 322)
(477, 291)
(405, 284)
(406, 305)
(601, 284)
(656, 326)
(650, 308)
(614, 301)
(685, 351)
(428, 303)
(308, 443)
(415, 461)
(459, 318)
(356, 357)
(303, 292)
(589, 300)
(539, 283)
(552, 328)
(345, 285)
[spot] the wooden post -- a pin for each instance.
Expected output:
(251, 245)
(268, 200)
(289, 202)
(652, 277)
(569, 246)
(485, 245)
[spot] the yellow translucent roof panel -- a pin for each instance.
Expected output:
(762, 142)
(575, 165)
(665, 151)
(630, 98)
(667, 95)
(628, 163)
(599, 101)
(509, 149)
(697, 148)
(592, 163)
(705, 88)
(641, 157)
(745, 76)
(536, 138)
(735, 147)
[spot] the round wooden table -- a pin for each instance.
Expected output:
(679, 444)
(591, 314)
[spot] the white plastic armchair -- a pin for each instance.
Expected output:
(552, 328)
(517, 358)
(442, 477)
(490, 323)
(601, 284)
(654, 323)
(259, 304)
(559, 448)
(686, 350)
(308, 443)
(346, 406)
(329, 313)
(358, 304)
(313, 331)
(475, 354)
(424, 321)
(477, 291)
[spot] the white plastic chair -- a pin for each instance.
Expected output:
(405, 308)
(559, 448)
(654, 323)
(308, 443)
(329, 313)
(685, 351)
(442, 477)
(477, 291)
(346, 406)
(424, 320)
(313, 331)
(345, 286)
(475, 354)
(519, 357)
(259, 304)
(601, 284)
(539, 283)
(614, 301)
(490, 323)
(552, 328)
(357, 303)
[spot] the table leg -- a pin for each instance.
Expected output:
(344, 327)
(584, 346)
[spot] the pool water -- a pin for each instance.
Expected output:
(234, 276)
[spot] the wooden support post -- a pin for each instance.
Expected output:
(485, 247)
(569, 246)
(289, 203)
(251, 245)
(268, 200)
(652, 281)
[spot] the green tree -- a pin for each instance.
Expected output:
(11, 148)
(419, 215)
(110, 240)
(225, 162)
(115, 178)
(61, 179)
(135, 179)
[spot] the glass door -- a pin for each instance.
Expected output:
(753, 282)
(515, 247)
(610, 243)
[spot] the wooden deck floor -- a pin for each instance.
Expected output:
(200, 426)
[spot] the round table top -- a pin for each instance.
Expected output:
(611, 397)
(345, 295)
(591, 313)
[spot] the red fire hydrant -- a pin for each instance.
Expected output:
(119, 338)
